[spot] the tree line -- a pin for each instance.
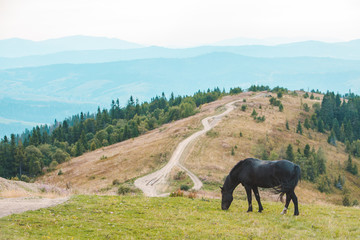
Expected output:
(28, 154)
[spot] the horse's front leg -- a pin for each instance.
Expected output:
(257, 196)
(248, 193)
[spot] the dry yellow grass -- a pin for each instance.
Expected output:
(95, 171)
(17, 189)
(210, 155)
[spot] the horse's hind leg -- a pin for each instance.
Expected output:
(295, 201)
(257, 196)
(288, 199)
(248, 193)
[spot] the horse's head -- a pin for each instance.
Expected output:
(226, 199)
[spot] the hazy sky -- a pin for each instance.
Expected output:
(181, 22)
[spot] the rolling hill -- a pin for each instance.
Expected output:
(211, 157)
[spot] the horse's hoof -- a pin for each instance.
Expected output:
(260, 211)
(249, 210)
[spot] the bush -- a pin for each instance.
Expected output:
(346, 201)
(53, 165)
(306, 107)
(254, 113)
(324, 184)
(177, 193)
(181, 175)
(281, 108)
(212, 133)
(123, 190)
(192, 195)
(116, 182)
(243, 107)
(60, 172)
(184, 187)
(24, 178)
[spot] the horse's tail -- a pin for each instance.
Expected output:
(291, 183)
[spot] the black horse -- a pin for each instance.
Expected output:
(281, 175)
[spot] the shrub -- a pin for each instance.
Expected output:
(181, 175)
(123, 190)
(243, 107)
(184, 187)
(232, 151)
(177, 193)
(192, 195)
(24, 178)
(306, 107)
(116, 182)
(281, 107)
(53, 165)
(60, 172)
(324, 184)
(346, 201)
(254, 113)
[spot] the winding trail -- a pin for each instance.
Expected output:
(149, 183)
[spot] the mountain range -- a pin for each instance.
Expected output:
(62, 83)
(344, 50)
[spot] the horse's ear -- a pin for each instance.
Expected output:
(221, 188)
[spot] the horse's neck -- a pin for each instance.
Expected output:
(231, 183)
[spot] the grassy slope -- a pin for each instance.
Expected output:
(211, 157)
(112, 217)
(90, 173)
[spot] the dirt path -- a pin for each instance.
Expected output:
(10, 206)
(150, 184)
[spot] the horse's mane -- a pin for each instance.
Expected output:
(240, 165)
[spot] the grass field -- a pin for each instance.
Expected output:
(136, 217)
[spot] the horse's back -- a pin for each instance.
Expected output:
(269, 173)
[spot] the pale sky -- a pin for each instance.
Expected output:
(181, 22)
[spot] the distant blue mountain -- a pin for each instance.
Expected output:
(19, 47)
(344, 50)
(41, 94)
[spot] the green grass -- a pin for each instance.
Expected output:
(136, 217)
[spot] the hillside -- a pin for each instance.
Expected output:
(210, 157)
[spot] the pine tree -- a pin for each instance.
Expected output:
(287, 125)
(281, 107)
(320, 126)
(290, 153)
(307, 151)
(299, 128)
(307, 123)
(20, 158)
